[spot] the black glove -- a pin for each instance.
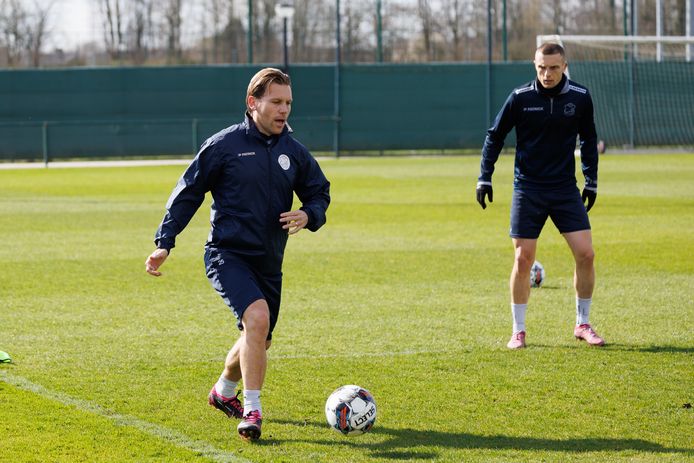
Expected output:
(590, 196)
(482, 191)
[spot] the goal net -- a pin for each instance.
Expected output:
(642, 86)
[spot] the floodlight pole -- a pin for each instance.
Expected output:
(336, 89)
(286, 48)
(489, 62)
(249, 34)
(504, 33)
(44, 142)
(632, 73)
(285, 10)
(689, 26)
(634, 26)
(379, 33)
(624, 23)
(658, 30)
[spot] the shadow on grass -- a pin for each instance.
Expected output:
(653, 349)
(414, 444)
(622, 347)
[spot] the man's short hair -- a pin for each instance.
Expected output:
(551, 49)
(261, 81)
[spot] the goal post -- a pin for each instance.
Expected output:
(642, 86)
(612, 42)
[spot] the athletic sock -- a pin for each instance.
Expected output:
(518, 311)
(225, 387)
(582, 310)
(251, 401)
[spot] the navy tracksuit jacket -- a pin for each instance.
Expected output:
(252, 179)
(546, 130)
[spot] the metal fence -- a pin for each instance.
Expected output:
(59, 114)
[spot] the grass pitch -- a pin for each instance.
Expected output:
(404, 292)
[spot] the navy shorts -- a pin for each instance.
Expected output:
(530, 209)
(240, 284)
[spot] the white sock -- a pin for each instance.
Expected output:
(518, 311)
(582, 310)
(225, 387)
(251, 401)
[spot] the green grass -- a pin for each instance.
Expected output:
(404, 291)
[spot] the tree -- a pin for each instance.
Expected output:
(140, 30)
(264, 31)
(113, 26)
(233, 37)
(12, 21)
(23, 31)
(212, 21)
(172, 30)
(429, 26)
(455, 23)
(354, 16)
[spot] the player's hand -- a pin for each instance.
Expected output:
(589, 195)
(482, 191)
(155, 260)
(294, 220)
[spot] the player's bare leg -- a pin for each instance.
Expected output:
(253, 363)
(520, 287)
(232, 364)
(223, 395)
(520, 275)
(581, 244)
(252, 344)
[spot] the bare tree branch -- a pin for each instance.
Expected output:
(23, 31)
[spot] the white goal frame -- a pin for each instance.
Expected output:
(685, 40)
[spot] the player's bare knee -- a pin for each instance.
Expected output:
(524, 260)
(585, 257)
(256, 320)
(256, 325)
(232, 361)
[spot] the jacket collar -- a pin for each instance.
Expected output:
(252, 129)
(564, 88)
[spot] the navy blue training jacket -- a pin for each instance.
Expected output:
(546, 130)
(252, 179)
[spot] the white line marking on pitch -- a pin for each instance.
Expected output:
(73, 164)
(354, 355)
(169, 435)
(364, 354)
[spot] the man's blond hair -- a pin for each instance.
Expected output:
(550, 48)
(261, 81)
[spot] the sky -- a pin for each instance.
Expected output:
(73, 22)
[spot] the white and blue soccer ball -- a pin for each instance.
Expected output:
(537, 275)
(351, 410)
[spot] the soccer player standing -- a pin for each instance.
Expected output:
(252, 170)
(547, 113)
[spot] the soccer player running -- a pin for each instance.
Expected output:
(547, 113)
(252, 170)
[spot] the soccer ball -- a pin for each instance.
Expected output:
(537, 275)
(351, 410)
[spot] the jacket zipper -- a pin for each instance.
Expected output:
(269, 190)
